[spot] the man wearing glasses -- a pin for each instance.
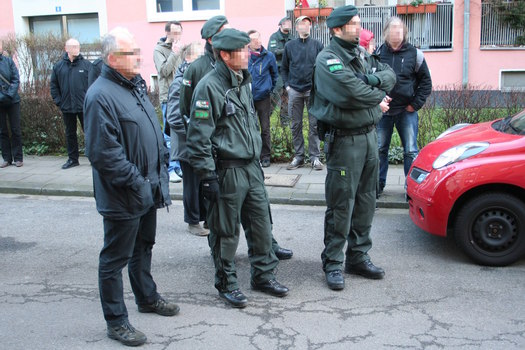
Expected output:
(126, 149)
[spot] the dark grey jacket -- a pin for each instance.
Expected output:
(9, 92)
(69, 83)
(178, 122)
(125, 146)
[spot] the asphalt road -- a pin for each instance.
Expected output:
(431, 298)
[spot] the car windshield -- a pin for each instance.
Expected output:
(513, 124)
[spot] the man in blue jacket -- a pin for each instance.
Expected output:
(296, 69)
(69, 83)
(263, 69)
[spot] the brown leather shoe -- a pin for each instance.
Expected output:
(5, 164)
(19, 163)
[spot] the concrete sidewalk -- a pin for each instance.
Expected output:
(303, 186)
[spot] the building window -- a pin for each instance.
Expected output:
(84, 28)
(512, 80)
(168, 10)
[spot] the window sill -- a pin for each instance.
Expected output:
(501, 48)
(203, 15)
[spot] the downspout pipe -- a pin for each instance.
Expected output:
(466, 34)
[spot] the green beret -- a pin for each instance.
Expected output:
(341, 16)
(284, 20)
(230, 39)
(212, 26)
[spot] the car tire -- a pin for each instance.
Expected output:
(490, 229)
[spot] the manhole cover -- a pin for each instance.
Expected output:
(281, 180)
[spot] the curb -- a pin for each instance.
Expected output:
(43, 191)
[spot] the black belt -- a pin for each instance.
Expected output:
(353, 132)
(233, 163)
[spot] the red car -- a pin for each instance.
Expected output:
(470, 182)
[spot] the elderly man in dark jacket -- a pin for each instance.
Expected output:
(69, 83)
(126, 149)
(412, 89)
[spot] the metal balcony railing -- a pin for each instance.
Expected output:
(494, 32)
(427, 30)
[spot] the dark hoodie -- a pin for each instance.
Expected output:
(414, 84)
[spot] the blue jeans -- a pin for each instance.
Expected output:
(174, 164)
(406, 124)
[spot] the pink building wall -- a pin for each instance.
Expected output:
(483, 65)
(243, 15)
(7, 22)
(446, 66)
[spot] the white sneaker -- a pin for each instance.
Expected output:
(174, 177)
(198, 230)
(317, 165)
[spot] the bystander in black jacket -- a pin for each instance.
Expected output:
(414, 83)
(129, 177)
(69, 83)
(298, 63)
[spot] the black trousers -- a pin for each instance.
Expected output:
(192, 198)
(11, 148)
(263, 108)
(127, 242)
(70, 121)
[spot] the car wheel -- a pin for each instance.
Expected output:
(490, 229)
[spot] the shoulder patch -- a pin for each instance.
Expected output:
(202, 104)
(186, 82)
(335, 67)
(201, 114)
(332, 61)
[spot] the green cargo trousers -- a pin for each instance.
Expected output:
(350, 189)
(242, 199)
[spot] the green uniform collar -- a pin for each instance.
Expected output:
(227, 74)
(345, 54)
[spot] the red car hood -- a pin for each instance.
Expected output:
(482, 132)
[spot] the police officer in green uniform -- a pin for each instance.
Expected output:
(349, 86)
(276, 46)
(224, 146)
(195, 72)
(201, 65)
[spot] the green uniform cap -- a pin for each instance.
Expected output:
(341, 16)
(212, 26)
(230, 39)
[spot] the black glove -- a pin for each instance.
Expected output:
(210, 189)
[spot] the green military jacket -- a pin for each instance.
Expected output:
(276, 45)
(211, 131)
(198, 69)
(339, 97)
